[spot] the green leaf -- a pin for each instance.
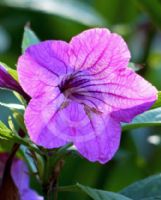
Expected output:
(102, 195)
(158, 102)
(20, 120)
(20, 99)
(11, 124)
(6, 133)
(12, 106)
(148, 118)
(29, 38)
(94, 193)
(75, 10)
(6, 145)
(9, 135)
(152, 198)
(146, 189)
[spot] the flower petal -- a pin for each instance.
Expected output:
(52, 127)
(103, 146)
(39, 113)
(98, 50)
(7, 81)
(96, 135)
(71, 123)
(20, 176)
(129, 95)
(124, 94)
(42, 65)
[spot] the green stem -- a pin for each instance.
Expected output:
(54, 162)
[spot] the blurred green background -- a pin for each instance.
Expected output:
(139, 22)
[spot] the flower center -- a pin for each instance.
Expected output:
(72, 84)
(80, 88)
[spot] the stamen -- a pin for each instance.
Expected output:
(71, 86)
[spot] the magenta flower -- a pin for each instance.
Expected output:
(81, 91)
(8, 82)
(20, 176)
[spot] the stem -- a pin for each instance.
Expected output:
(51, 180)
(56, 193)
(53, 167)
(49, 196)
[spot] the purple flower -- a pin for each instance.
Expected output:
(7, 81)
(81, 91)
(21, 178)
(19, 173)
